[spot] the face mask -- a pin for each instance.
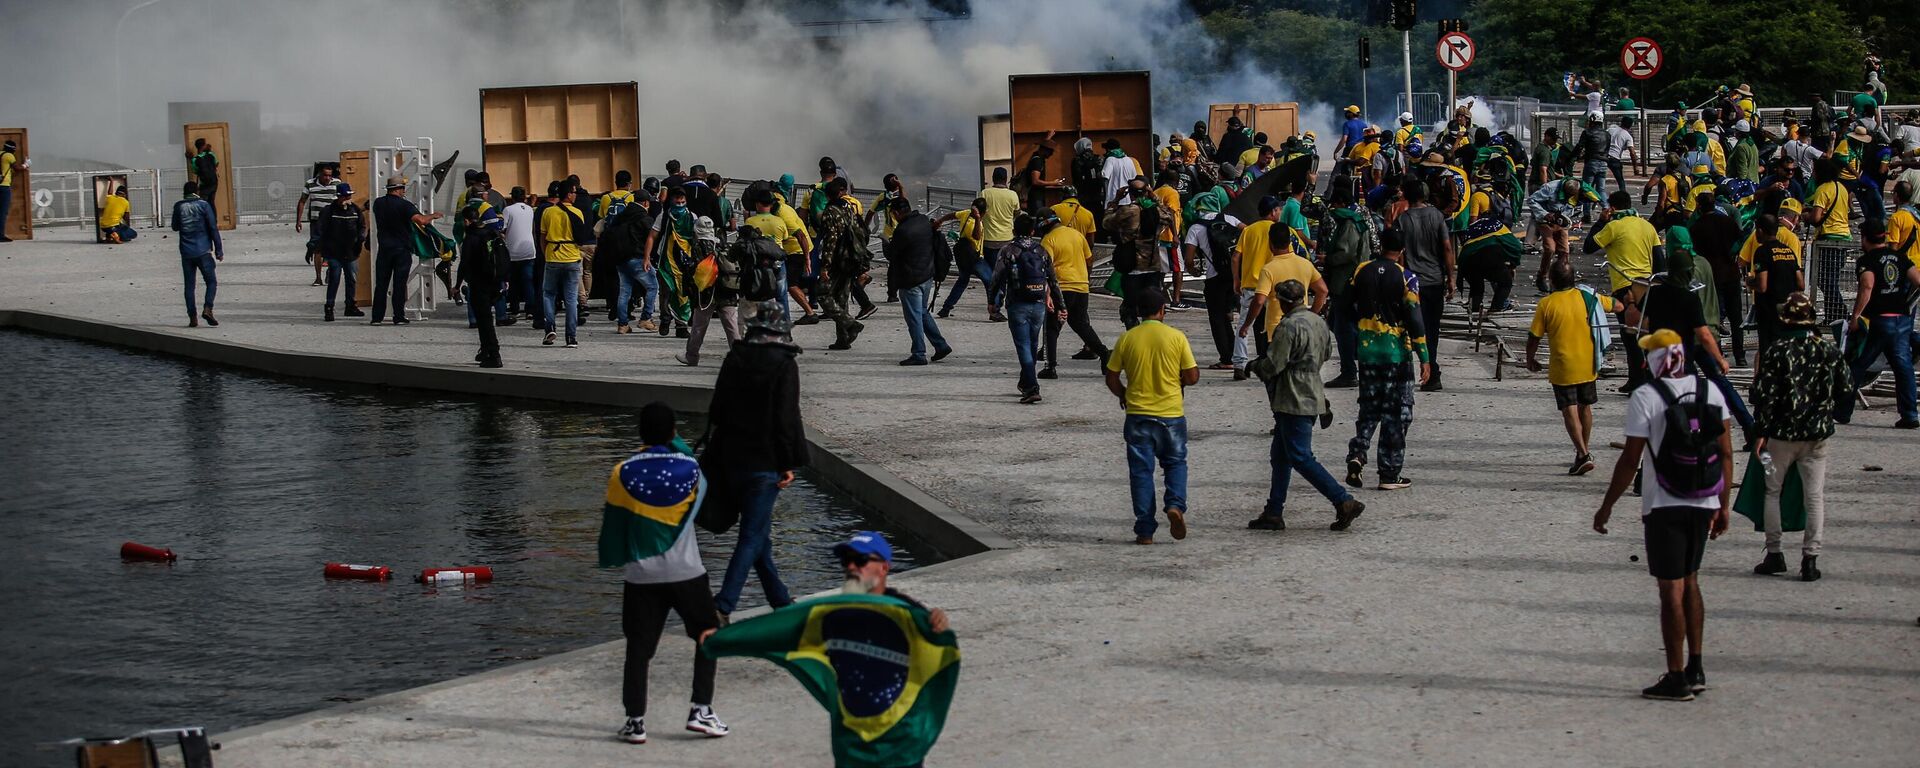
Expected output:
(679, 210)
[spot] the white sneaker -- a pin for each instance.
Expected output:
(634, 732)
(703, 720)
(682, 359)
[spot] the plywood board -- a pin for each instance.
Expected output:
(996, 146)
(534, 135)
(1277, 120)
(103, 187)
(20, 213)
(355, 171)
(216, 136)
(1093, 105)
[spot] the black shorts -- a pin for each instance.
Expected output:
(1574, 394)
(797, 276)
(1676, 540)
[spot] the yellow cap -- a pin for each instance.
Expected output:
(1790, 205)
(1660, 339)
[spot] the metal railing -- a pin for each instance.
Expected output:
(1830, 278)
(1428, 108)
(1651, 125)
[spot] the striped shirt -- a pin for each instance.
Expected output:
(319, 196)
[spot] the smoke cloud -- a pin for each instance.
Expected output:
(741, 86)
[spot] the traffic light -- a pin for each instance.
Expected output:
(1452, 25)
(1402, 14)
(1366, 53)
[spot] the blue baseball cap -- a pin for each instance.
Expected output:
(869, 543)
(343, 188)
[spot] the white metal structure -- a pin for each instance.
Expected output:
(412, 164)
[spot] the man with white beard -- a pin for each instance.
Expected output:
(865, 560)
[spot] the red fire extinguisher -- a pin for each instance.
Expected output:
(136, 551)
(470, 574)
(357, 572)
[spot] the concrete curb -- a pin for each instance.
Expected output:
(939, 526)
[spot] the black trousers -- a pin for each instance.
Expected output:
(643, 615)
(1076, 305)
(483, 302)
(1499, 273)
(1132, 285)
(1222, 299)
(1730, 294)
(1433, 300)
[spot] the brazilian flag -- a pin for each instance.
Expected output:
(650, 499)
(1489, 241)
(873, 661)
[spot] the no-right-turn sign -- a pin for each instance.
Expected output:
(1455, 50)
(1641, 58)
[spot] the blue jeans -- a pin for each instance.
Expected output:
(1872, 206)
(1595, 175)
(525, 295)
(335, 269)
(1025, 319)
(920, 325)
(632, 277)
(1292, 451)
(757, 490)
(1153, 439)
(1891, 337)
(562, 284)
(981, 269)
(127, 234)
(203, 264)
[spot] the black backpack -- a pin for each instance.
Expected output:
(1031, 268)
(1222, 238)
(759, 259)
(1688, 464)
(942, 257)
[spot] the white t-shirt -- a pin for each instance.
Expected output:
(519, 219)
(1619, 140)
(1197, 237)
(1646, 417)
(1594, 99)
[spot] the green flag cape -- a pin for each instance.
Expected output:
(874, 662)
(428, 244)
(650, 499)
(1753, 498)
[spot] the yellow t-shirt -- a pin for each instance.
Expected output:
(606, 200)
(1833, 197)
(1153, 355)
(113, 212)
(886, 220)
(794, 227)
(1478, 204)
(1002, 204)
(1248, 158)
(6, 168)
(1901, 228)
(1070, 253)
(1281, 268)
(1363, 152)
(1629, 242)
(1254, 252)
(1561, 318)
(1075, 215)
(1784, 235)
(556, 227)
(774, 228)
(965, 219)
(1169, 201)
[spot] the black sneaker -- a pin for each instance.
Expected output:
(1696, 678)
(914, 361)
(1342, 382)
(1048, 373)
(1906, 424)
(1353, 473)
(1775, 563)
(1267, 521)
(1671, 687)
(328, 315)
(1344, 514)
(839, 345)
(1808, 570)
(634, 731)
(1030, 398)
(941, 354)
(1395, 483)
(868, 312)
(808, 319)
(1582, 464)
(1086, 354)
(548, 341)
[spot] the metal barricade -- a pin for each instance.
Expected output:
(1428, 109)
(1830, 278)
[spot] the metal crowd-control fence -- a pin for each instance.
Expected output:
(1427, 109)
(1651, 125)
(1830, 278)
(67, 198)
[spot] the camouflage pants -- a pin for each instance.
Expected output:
(1386, 402)
(836, 301)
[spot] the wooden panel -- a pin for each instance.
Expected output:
(1115, 102)
(996, 146)
(1278, 121)
(503, 116)
(20, 209)
(216, 136)
(355, 172)
(537, 134)
(1093, 105)
(103, 187)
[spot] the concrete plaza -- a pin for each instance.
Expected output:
(1473, 619)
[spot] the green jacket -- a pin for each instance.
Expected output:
(1300, 345)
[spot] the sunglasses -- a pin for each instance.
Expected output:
(855, 559)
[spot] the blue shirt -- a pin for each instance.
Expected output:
(1355, 130)
(199, 233)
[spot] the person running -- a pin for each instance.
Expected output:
(1393, 338)
(1070, 254)
(1166, 246)
(670, 252)
(970, 257)
(1429, 255)
(910, 266)
(1133, 222)
(314, 198)
(1551, 207)
(844, 262)
(559, 226)
(393, 219)
(1620, 149)
(1883, 315)
(798, 270)
(1211, 240)
(657, 484)
(200, 247)
(1283, 265)
(1151, 366)
(758, 441)
(1684, 502)
(1794, 408)
(1025, 277)
(1772, 254)
(1572, 322)
(1291, 369)
(342, 231)
(1716, 237)
(1631, 245)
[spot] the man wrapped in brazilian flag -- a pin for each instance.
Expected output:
(1491, 252)
(883, 665)
(672, 248)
